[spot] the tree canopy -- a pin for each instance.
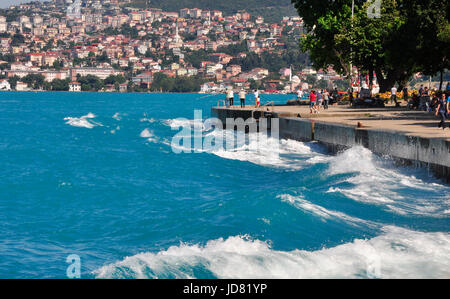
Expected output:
(408, 36)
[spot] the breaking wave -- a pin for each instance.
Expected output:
(146, 133)
(396, 253)
(261, 149)
(116, 116)
(182, 122)
(376, 180)
(308, 207)
(83, 121)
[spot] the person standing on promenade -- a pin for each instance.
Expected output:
(426, 99)
(405, 94)
(443, 110)
(326, 99)
(230, 96)
(242, 97)
(319, 100)
(257, 99)
(299, 95)
(350, 94)
(394, 96)
(312, 102)
(422, 100)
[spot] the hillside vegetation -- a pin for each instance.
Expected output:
(272, 11)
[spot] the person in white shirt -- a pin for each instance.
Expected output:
(257, 99)
(230, 97)
(242, 97)
(299, 95)
(394, 95)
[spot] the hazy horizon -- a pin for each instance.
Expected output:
(7, 3)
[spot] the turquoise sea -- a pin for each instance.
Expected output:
(94, 175)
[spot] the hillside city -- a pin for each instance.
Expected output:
(94, 45)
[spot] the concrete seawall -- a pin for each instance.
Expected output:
(433, 153)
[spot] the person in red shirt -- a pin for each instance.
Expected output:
(312, 102)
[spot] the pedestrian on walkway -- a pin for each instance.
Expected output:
(230, 96)
(326, 99)
(405, 94)
(319, 100)
(443, 111)
(394, 96)
(312, 102)
(299, 95)
(242, 97)
(257, 99)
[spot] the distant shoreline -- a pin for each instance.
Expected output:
(136, 92)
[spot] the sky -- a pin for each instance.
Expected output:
(7, 3)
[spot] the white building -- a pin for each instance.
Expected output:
(101, 73)
(3, 24)
(74, 87)
(21, 86)
(4, 85)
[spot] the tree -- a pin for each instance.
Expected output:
(17, 39)
(13, 81)
(103, 58)
(35, 81)
(410, 36)
(60, 85)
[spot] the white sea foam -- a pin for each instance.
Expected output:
(117, 116)
(376, 180)
(396, 253)
(181, 122)
(300, 203)
(263, 150)
(150, 136)
(83, 121)
(150, 120)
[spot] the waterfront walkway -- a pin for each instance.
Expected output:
(412, 123)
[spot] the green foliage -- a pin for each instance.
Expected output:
(195, 58)
(119, 79)
(103, 58)
(34, 81)
(162, 82)
(272, 61)
(410, 36)
(60, 85)
(271, 10)
(8, 57)
(57, 65)
(233, 50)
(90, 83)
(125, 29)
(17, 39)
(13, 81)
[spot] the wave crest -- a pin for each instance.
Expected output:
(397, 253)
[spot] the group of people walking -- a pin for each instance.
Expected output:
(432, 102)
(318, 99)
(242, 95)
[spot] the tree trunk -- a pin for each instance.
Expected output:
(371, 81)
(385, 83)
(441, 83)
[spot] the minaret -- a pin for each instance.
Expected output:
(178, 42)
(177, 36)
(290, 73)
